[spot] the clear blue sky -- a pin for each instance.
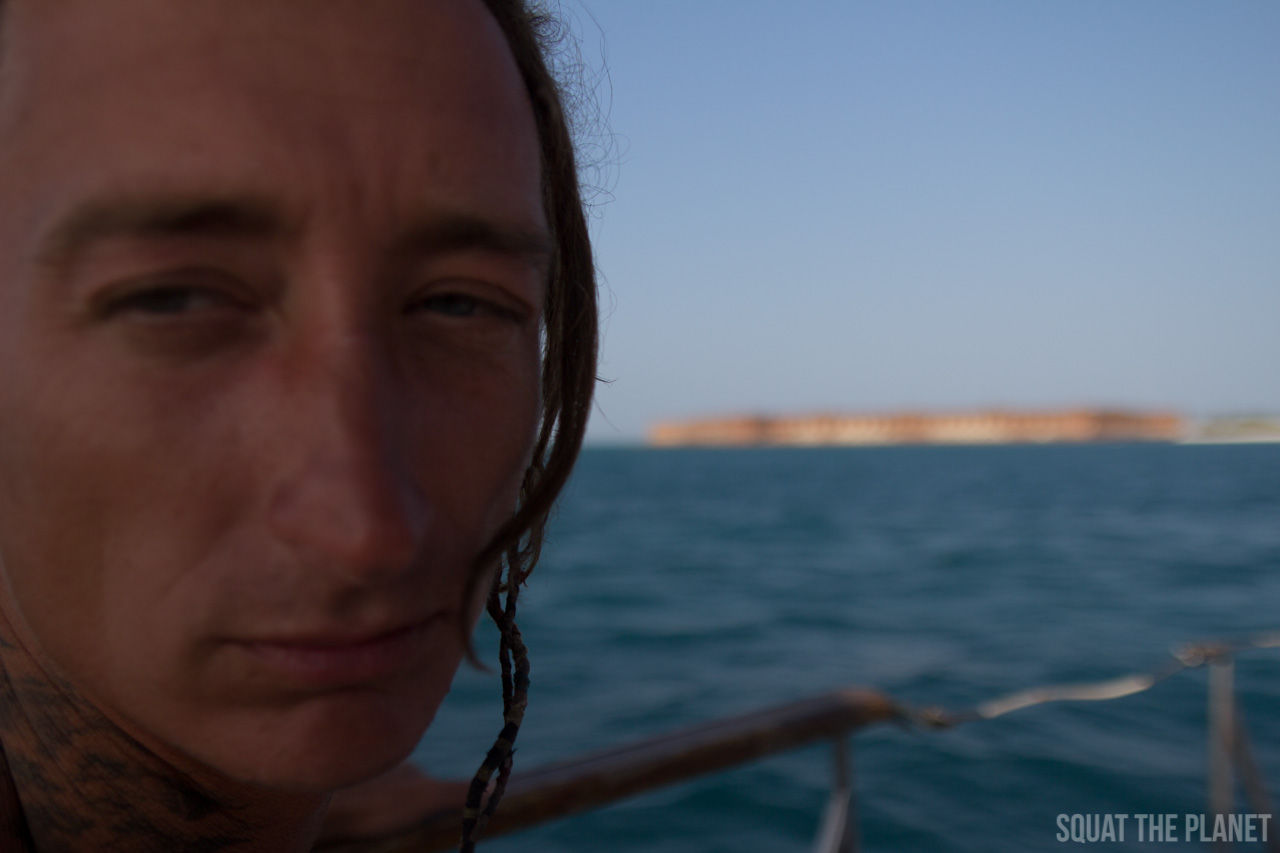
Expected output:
(875, 204)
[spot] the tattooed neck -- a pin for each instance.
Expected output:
(76, 781)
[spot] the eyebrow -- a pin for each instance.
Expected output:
(462, 232)
(158, 217)
(252, 218)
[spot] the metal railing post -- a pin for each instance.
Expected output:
(1222, 717)
(838, 832)
(853, 830)
(1255, 787)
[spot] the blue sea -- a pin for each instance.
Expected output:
(678, 586)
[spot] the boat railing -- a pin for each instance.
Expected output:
(566, 788)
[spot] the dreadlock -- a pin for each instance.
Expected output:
(568, 380)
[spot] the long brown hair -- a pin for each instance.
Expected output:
(568, 381)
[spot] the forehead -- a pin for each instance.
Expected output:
(394, 43)
(358, 97)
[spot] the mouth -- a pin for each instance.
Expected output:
(334, 661)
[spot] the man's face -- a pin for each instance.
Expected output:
(271, 277)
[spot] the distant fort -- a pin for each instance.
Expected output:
(983, 427)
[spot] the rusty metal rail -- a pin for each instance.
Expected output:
(581, 784)
(559, 790)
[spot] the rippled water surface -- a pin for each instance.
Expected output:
(681, 585)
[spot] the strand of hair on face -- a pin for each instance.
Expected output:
(513, 657)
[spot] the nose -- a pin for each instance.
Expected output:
(346, 498)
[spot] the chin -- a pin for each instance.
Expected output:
(327, 743)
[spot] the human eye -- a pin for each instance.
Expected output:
(180, 295)
(174, 300)
(451, 305)
(181, 314)
(466, 304)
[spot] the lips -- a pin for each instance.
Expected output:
(334, 661)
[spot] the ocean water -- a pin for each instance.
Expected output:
(682, 585)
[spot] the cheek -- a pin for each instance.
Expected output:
(475, 438)
(76, 476)
(50, 520)
(487, 455)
